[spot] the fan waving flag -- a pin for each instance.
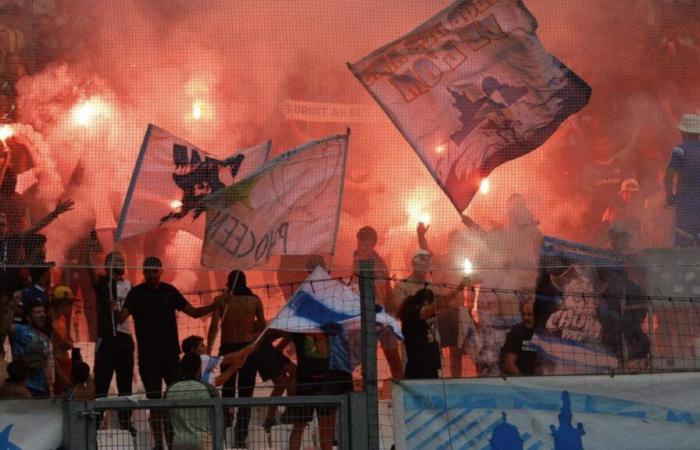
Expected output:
(290, 206)
(172, 177)
(472, 88)
(323, 304)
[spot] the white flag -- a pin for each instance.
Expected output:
(172, 177)
(472, 88)
(290, 206)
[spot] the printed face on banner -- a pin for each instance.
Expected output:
(173, 177)
(197, 179)
(587, 313)
(472, 88)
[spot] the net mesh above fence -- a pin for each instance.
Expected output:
(283, 137)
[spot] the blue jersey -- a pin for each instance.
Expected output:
(685, 162)
(33, 348)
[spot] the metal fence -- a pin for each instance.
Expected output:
(205, 428)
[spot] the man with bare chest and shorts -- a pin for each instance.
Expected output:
(241, 321)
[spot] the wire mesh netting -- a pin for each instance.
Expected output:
(520, 176)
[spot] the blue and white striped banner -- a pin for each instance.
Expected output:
(537, 413)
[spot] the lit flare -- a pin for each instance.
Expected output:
(484, 186)
(467, 267)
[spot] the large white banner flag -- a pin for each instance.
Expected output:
(472, 88)
(290, 206)
(172, 177)
(30, 424)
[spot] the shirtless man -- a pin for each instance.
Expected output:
(241, 321)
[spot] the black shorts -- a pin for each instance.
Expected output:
(270, 361)
(154, 371)
(336, 383)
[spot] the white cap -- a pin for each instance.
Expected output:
(690, 123)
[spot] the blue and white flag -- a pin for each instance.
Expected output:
(171, 179)
(472, 88)
(30, 424)
(323, 304)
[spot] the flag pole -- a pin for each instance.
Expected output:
(368, 331)
(132, 184)
(340, 198)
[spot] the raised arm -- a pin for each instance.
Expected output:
(421, 231)
(234, 361)
(201, 310)
(442, 301)
(62, 207)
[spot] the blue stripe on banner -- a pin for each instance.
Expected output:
(442, 430)
(465, 430)
(481, 435)
(426, 424)
(307, 306)
(413, 416)
(480, 396)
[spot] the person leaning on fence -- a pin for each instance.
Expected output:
(153, 305)
(191, 426)
(316, 376)
(419, 326)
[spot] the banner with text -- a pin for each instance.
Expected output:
(636, 412)
(290, 206)
(472, 88)
(172, 177)
(590, 309)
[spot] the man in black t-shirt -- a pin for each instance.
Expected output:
(419, 326)
(153, 305)
(115, 347)
(517, 357)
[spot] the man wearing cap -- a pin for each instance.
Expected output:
(684, 169)
(153, 305)
(627, 210)
(39, 292)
